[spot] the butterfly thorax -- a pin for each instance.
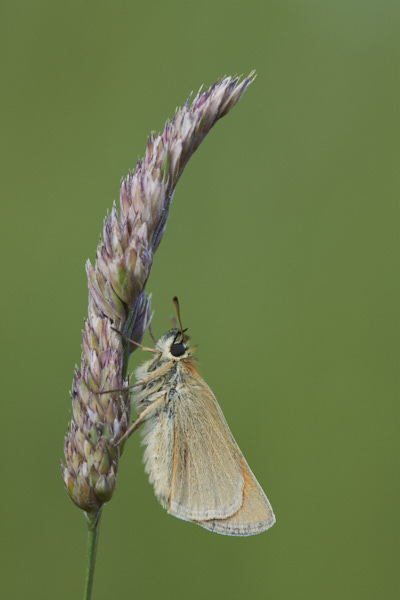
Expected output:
(165, 372)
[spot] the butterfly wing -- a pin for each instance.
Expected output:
(211, 482)
(255, 514)
(207, 480)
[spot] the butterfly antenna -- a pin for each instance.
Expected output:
(152, 334)
(178, 314)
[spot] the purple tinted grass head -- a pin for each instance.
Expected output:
(117, 297)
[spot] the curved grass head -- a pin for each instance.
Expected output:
(118, 302)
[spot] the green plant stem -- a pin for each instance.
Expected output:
(93, 523)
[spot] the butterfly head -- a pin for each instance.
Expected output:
(174, 345)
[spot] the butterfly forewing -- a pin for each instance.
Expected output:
(207, 480)
(255, 514)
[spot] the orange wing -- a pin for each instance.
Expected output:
(211, 482)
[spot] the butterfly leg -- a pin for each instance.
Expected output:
(154, 375)
(141, 418)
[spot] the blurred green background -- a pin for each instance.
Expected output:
(281, 245)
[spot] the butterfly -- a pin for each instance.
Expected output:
(198, 472)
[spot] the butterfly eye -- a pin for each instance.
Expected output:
(177, 349)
